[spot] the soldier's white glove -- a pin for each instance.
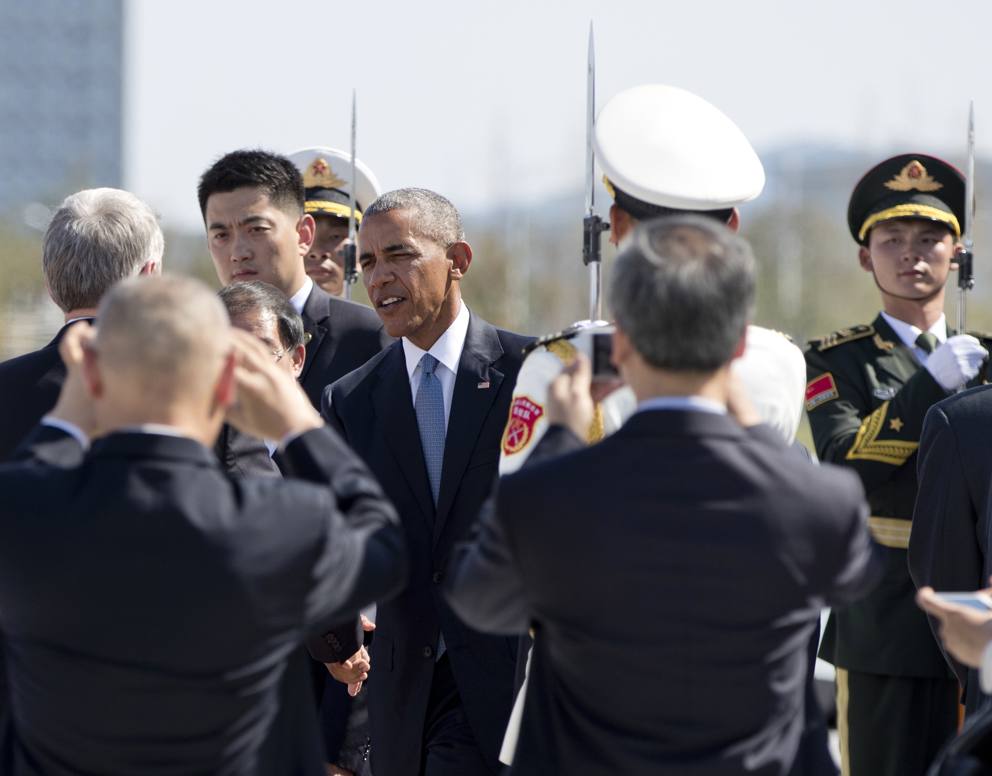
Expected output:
(956, 361)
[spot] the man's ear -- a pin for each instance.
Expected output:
(91, 371)
(622, 347)
(460, 256)
(225, 391)
(620, 224)
(299, 356)
(741, 344)
(864, 258)
(957, 251)
(306, 229)
(151, 268)
(734, 223)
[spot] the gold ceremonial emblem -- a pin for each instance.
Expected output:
(914, 176)
(882, 344)
(319, 173)
(896, 425)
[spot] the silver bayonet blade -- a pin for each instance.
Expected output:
(590, 124)
(351, 197)
(969, 183)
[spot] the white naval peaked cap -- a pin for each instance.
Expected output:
(328, 168)
(668, 147)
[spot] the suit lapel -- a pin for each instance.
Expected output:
(315, 324)
(476, 386)
(896, 359)
(392, 404)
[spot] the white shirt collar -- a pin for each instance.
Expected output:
(300, 297)
(694, 403)
(154, 428)
(447, 349)
(908, 333)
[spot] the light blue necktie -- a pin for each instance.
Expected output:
(430, 419)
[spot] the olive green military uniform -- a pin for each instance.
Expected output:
(897, 700)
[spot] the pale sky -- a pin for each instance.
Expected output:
(485, 101)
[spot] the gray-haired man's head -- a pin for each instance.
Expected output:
(97, 238)
(682, 291)
(433, 215)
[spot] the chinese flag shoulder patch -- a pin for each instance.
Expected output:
(820, 391)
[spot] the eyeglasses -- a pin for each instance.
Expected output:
(278, 354)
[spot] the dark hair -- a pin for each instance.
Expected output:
(683, 291)
(257, 296)
(643, 211)
(274, 174)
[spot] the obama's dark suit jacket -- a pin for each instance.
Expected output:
(373, 409)
(151, 603)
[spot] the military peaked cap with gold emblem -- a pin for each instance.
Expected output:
(907, 186)
(327, 179)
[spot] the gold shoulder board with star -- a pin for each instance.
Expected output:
(842, 336)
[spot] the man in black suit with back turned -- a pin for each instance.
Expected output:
(150, 602)
(673, 608)
(252, 204)
(427, 415)
(96, 238)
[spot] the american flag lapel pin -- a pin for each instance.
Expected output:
(483, 384)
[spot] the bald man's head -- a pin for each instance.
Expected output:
(162, 341)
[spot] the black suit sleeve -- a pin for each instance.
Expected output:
(484, 585)
(848, 562)
(328, 411)
(50, 446)
(943, 549)
(365, 556)
(241, 455)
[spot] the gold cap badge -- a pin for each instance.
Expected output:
(319, 173)
(913, 176)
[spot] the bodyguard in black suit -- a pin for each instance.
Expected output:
(427, 415)
(341, 336)
(260, 228)
(252, 204)
(949, 544)
(672, 573)
(150, 602)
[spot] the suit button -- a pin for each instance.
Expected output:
(436, 577)
(428, 651)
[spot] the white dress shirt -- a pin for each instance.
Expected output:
(448, 351)
(696, 403)
(908, 334)
(300, 297)
(151, 428)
